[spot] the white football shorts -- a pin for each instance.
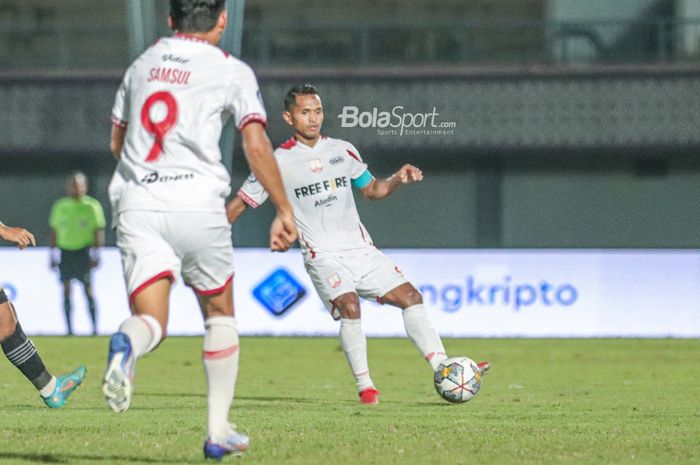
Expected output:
(369, 273)
(155, 245)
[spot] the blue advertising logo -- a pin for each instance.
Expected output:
(279, 292)
(10, 290)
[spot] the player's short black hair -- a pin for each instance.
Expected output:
(195, 15)
(301, 89)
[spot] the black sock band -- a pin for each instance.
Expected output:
(21, 352)
(3, 296)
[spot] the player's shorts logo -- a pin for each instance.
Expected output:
(316, 165)
(279, 292)
(334, 281)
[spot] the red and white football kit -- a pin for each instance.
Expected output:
(169, 189)
(338, 251)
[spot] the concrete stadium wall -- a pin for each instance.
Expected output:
(563, 167)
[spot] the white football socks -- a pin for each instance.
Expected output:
(423, 334)
(47, 390)
(354, 343)
(144, 332)
(221, 354)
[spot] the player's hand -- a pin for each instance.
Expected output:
(234, 208)
(19, 236)
(408, 174)
(283, 233)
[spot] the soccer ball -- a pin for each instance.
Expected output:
(457, 379)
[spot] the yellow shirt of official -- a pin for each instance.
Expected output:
(76, 221)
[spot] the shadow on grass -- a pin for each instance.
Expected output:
(72, 458)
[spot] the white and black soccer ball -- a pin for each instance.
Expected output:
(457, 379)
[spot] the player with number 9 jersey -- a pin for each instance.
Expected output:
(173, 102)
(168, 197)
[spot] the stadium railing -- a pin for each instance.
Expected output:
(493, 41)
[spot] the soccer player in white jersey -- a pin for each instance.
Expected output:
(319, 173)
(168, 195)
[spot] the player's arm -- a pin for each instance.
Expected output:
(381, 188)
(19, 236)
(117, 141)
(234, 209)
(98, 243)
(53, 253)
(258, 153)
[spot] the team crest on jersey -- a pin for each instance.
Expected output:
(316, 165)
(334, 281)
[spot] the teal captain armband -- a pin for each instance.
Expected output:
(363, 181)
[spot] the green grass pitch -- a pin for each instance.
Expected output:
(605, 401)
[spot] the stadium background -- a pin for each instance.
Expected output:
(575, 124)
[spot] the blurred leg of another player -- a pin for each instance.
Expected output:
(20, 351)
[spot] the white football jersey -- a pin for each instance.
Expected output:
(174, 101)
(318, 181)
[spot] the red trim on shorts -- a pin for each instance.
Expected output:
(311, 249)
(148, 282)
(241, 194)
(119, 123)
(218, 290)
(252, 118)
(219, 354)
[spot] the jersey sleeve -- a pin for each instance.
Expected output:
(100, 221)
(245, 103)
(252, 192)
(53, 217)
(360, 175)
(120, 109)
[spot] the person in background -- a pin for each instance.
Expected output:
(77, 229)
(20, 350)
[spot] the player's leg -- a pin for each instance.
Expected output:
(220, 357)
(209, 270)
(67, 305)
(90, 298)
(354, 343)
(415, 320)
(138, 335)
(20, 351)
(418, 326)
(86, 281)
(66, 271)
(333, 280)
(150, 265)
(384, 281)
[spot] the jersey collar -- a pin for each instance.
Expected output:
(190, 37)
